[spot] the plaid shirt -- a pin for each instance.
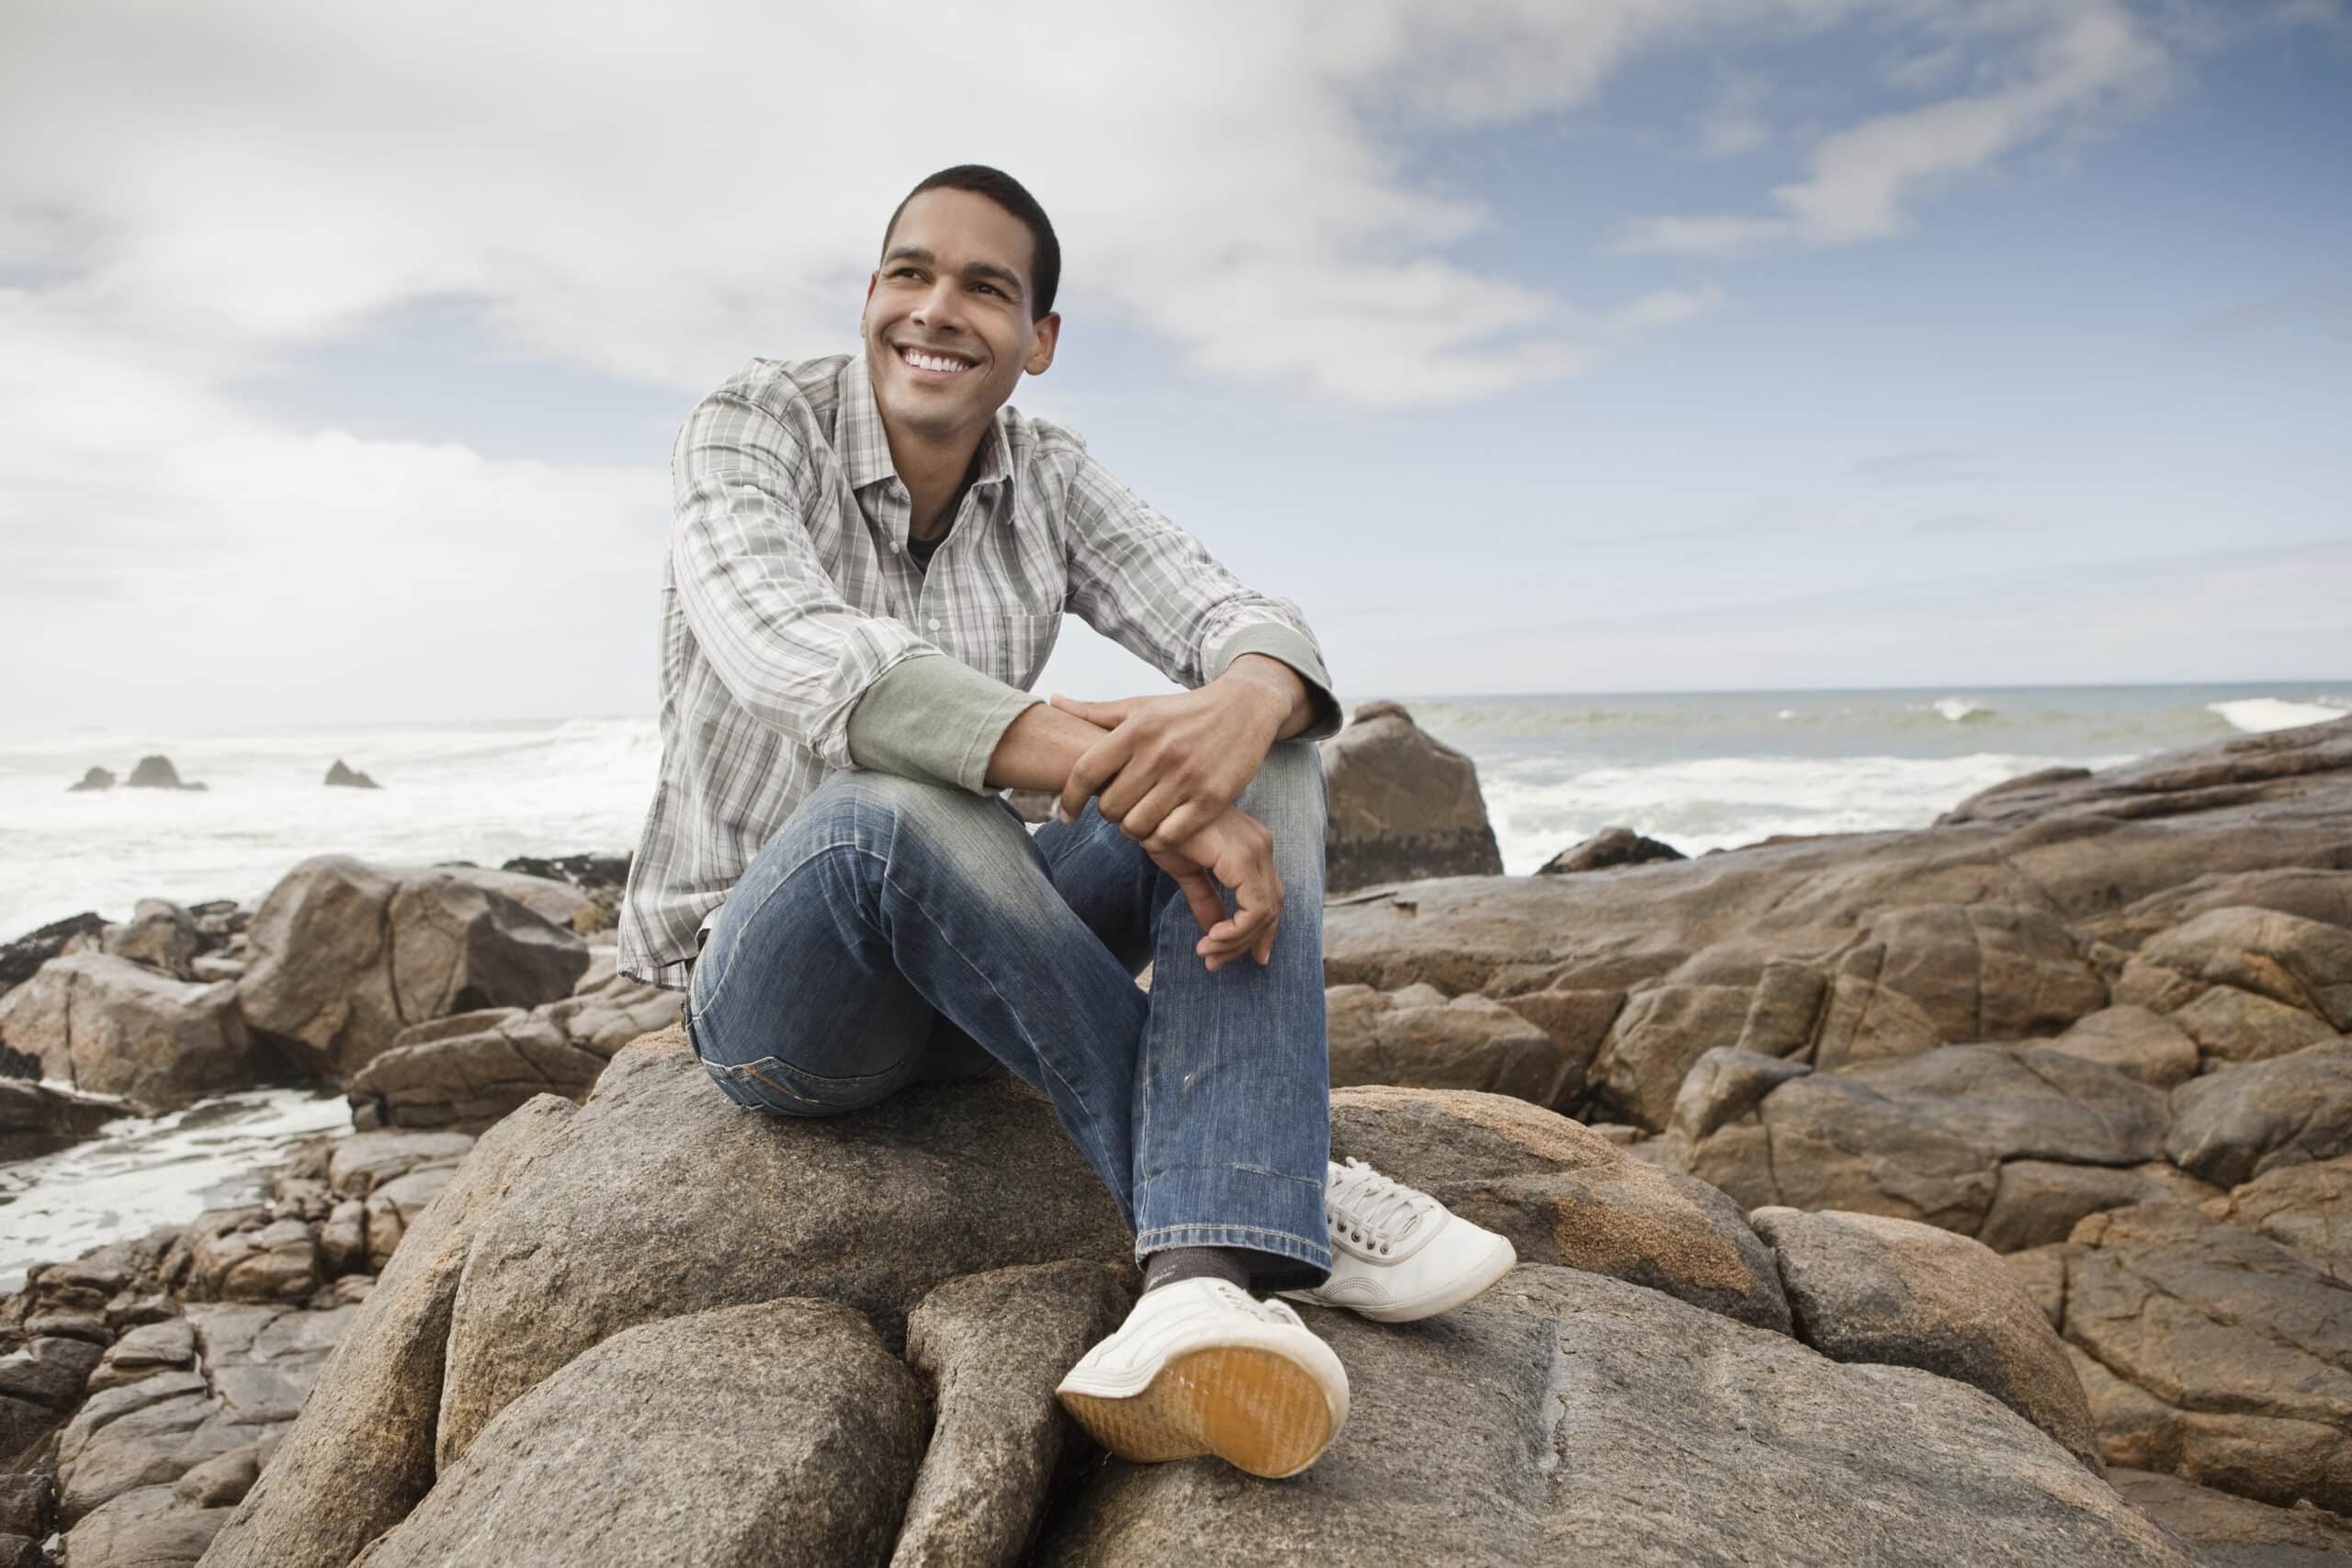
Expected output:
(798, 638)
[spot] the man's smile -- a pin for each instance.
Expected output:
(932, 366)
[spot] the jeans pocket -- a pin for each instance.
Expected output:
(771, 1083)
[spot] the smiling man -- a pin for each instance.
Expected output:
(871, 558)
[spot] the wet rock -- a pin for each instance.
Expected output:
(107, 1025)
(1420, 1037)
(2229, 1127)
(780, 1432)
(346, 956)
(156, 772)
(1610, 848)
(1866, 1288)
(360, 1453)
(992, 1347)
(1401, 805)
(341, 777)
(95, 779)
(36, 1119)
(1567, 1418)
(19, 959)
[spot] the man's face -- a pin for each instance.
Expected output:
(952, 285)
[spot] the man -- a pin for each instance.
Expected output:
(871, 558)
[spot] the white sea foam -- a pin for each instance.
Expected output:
(2259, 716)
(1711, 802)
(141, 1173)
(1960, 710)
(482, 795)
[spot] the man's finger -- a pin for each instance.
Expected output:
(1111, 712)
(1201, 897)
(1138, 821)
(1095, 766)
(1182, 823)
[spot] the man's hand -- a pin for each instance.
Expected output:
(1239, 851)
(1171, 766)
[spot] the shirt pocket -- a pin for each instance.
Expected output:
(1024, 642)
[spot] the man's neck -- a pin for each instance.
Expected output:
(935, 475)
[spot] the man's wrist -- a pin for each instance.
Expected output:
(1275, 693)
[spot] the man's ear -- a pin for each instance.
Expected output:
(1049, 329)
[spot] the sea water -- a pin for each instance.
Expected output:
(1700, 771)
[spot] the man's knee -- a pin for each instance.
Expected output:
(1288, 789)
(863, 798)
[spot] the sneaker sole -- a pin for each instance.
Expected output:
(1256, 1409)
(1460, 1289)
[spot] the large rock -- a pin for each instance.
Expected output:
(639, 1212)
(1564, 1194)
(781, 1432)
(2236, 1532)
(360, 1453)
(346, 956)
(1564, 1418)
(2222, 1356)
(1605, 851)
(1866, 1288)
(992, 1347)
(156, 772)
(1422, 1038)
(2234, 1126)
(2300, 963)
(107, 1025)
(467, 1071)
(2305, 1207)
(1919, 1138)
(159, 934)
(1402, 803)
(2037, 1201)
(2133, 1041)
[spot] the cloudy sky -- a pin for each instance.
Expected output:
(1629, 345)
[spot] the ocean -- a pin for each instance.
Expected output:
(1700, 771)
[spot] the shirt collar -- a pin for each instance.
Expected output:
(866, 446)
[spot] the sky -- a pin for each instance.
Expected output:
(1625, 345)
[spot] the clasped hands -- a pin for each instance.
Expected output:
(1168, 773)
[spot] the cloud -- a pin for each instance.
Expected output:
(1932, 466)
(1735, 122)
(2081, 64)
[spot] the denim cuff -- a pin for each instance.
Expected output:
(1237, 1205)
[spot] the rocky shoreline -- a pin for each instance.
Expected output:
(1966, 1195)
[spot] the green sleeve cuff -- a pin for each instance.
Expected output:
(1278, 641)
(933, 719)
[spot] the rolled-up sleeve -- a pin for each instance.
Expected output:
(1155, 589)
(775, 629)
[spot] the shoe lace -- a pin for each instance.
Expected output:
(1377, 1210)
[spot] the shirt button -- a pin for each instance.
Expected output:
(894, 547)
(934, 623)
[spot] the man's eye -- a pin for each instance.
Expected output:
(991, 288)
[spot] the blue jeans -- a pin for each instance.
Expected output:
(895, 932)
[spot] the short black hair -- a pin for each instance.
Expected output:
(1046, 257)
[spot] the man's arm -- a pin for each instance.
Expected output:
(857, 690)
(1171, 764)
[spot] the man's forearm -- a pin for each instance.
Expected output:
(1037, 748)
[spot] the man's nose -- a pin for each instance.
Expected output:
(942, 304)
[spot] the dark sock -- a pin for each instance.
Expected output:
(1167, 1266)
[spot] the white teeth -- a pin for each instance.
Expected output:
(929, 362)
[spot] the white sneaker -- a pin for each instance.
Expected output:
(1202, 1367)
(1397, 1253)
